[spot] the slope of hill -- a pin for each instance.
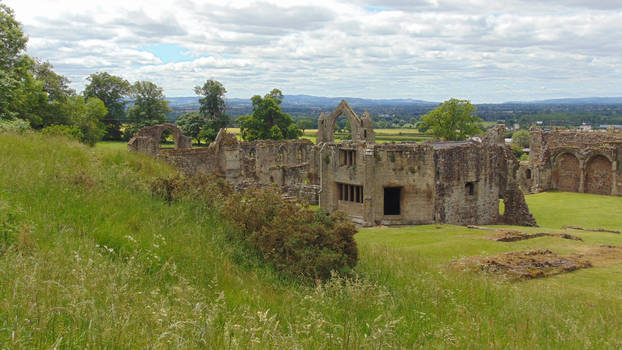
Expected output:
(90, 259)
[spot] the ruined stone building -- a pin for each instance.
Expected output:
(386, 183)
(573, 161)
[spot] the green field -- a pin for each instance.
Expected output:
(89, 259)
(382, 135)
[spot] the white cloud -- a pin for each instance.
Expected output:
(424, 49)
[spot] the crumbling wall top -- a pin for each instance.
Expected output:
(495, 135)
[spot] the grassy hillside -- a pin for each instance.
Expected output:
(89, 259)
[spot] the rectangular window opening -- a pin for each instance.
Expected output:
(348, 157)
(350, 193)
(469, 188)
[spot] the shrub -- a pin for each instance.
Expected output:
(291, 237)
(17, 126)
(71, 132)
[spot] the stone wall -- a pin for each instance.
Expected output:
(375, 184)
(290, 165)
(574, 161)
(448, 182)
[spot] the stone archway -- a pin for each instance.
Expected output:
(598, 175)
(361, 129)
(568, 173)
(147, 139)
(178, 136)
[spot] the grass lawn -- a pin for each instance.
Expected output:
(112, 145)
(90, 259)
(441, 244)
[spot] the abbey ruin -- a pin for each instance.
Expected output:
(374, 183)
(573, 161)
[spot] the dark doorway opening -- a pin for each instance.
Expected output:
(392, 197)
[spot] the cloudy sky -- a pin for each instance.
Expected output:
(485, 51)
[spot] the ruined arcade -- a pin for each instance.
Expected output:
(375, 184)
(573, 161)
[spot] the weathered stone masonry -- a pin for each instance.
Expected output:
(389, 184)
(289, 164)
(573, 161)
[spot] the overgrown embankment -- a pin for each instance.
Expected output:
(90, 258)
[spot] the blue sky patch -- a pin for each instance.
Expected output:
(168, 52)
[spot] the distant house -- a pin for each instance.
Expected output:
(585, 127)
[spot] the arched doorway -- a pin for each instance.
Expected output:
(598, 177)
(568, 173)
(167, 139)
(148, 139)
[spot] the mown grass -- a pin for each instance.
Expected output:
(97, 262)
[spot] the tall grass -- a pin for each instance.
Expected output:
(94, 261)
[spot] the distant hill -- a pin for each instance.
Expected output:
(307, 101)
(563, 111)
(577, 101)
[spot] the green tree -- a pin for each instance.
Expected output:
(149, 107)
(13, 63)
(50, 104)
(87, 117)
(40, 95)
(521, 138)
(517, 150)
(212, 109)
(268, 122)
(212, 103)
(304, 124)
(112, 90)
(211, 128)
(452, 120)
(191, 125)
(12, 38)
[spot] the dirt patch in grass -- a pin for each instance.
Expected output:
(512, 235)
(539, 263)
(605, 255)
(503, 235)
(524, 264)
